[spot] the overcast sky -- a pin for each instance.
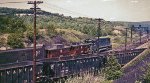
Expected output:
(116, 10)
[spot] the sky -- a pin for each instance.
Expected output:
(110, 10)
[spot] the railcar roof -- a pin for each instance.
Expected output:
(22, 49)
(103, 37)
(55, 48)
(17, 65)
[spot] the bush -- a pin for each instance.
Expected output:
(112, 70)
(51, 30)
(15, 40)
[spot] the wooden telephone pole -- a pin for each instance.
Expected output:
(132, 27)
(98, 30)
(34, 49)
(126, 38)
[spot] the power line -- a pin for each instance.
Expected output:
(55, 7)
(65, 10)
(13, 2)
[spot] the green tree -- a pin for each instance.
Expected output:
(15, 40)
(11, 24)
(112, 70)
(51, 30)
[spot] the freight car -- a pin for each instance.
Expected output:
(19, 55)
(49, 69)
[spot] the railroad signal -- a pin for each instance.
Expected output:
(34, 50)
(140, 31)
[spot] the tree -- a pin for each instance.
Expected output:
(15, 40)
(112, 70)
(51, 30)
(11, 24)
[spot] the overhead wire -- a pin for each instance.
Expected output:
(58, 8)
(13, 2)
(55, 7)
(52, 6)
(69, 11)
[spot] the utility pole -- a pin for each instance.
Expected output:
(148, 37)
(34, 49)
(132, 33)
(140, 32)
(147, 33)
(126, 38)
(98, 31)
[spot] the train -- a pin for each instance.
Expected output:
(57, 50)
(52, 61)
(57, 62)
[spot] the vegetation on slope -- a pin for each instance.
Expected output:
(49, 25)
(88, 78)
(85, 25)
(147, 75)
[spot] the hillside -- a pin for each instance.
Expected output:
(44, 19)
(55, 28)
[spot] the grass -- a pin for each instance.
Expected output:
(87, 78)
